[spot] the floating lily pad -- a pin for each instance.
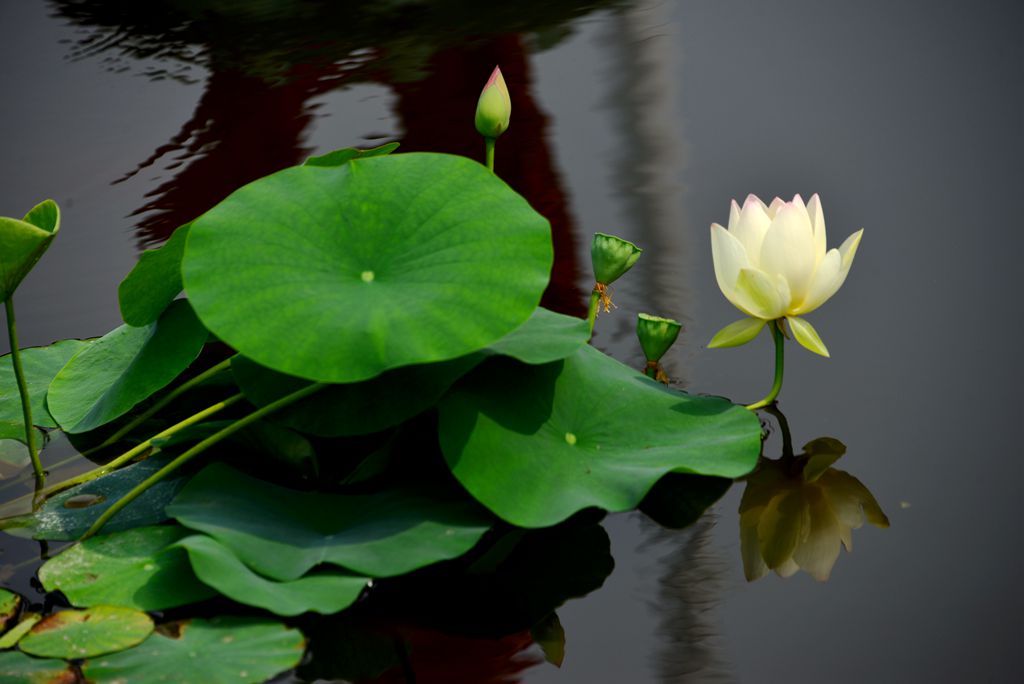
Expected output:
(355, 408)
(546, 336)
(226, 650)
(13, 635)
(154, 282)
(23, 243)
(9, 604)
(322, 591)
(18, 668)
(67, 515)
(536, 444)
(87, 633)
(345, 155)
(117, 371)
(132, 568)
(40, 364)
(339, 274)
(283, 533)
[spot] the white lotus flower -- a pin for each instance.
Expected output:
(771, 263)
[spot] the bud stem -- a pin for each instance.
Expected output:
(489, 152)
(595, 304)
(776, 328)
(26, 405)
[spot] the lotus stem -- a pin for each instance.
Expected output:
(26, 405)
(158, 406)
(776, 328)
(142, 447)
(489, 152)
(196, 450)
(595, 303)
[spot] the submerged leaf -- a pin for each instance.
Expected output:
(339, 274)
(63, 518)
(219, 651)
(132, 568)
(125, 366)
(283, 533)
(536, 444)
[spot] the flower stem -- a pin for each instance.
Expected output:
(595, 303)
(196, 450)
(26, 405)
(489, 152)
(141, 447)
(776, 328)
(155, 408)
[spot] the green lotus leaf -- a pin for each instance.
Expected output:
(321, 591)
(339, 274)
(536, 444)
(154, 282)
(67, 515)
(14, 453)
(113, 374)
(355, 408)
(9, 604)
(546, 336)
(23, 243)
(347, 154)
(225, 650)
(18, 668)
(283, 533)
(41, 365)
(133, 569)
(86, 633)
(14, 634)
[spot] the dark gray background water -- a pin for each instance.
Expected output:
(907, 118)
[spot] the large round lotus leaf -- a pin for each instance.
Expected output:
(322, 591)
(282, 533)
(546, 336)
(114, 373)
(18, 668)
(40, 364)
(133, 568)
(339, 274)
(87, 633)
(225, 650)
(536, 444)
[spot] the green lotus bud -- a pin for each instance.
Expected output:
(611, 257)
(23, 242)
(656, 334)
(494, 108)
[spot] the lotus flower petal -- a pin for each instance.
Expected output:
(759, 295)
(788, 249)
(730, 257)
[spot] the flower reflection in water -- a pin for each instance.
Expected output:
(798, 510)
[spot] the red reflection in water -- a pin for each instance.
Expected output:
(244, 128)
(437, 658)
